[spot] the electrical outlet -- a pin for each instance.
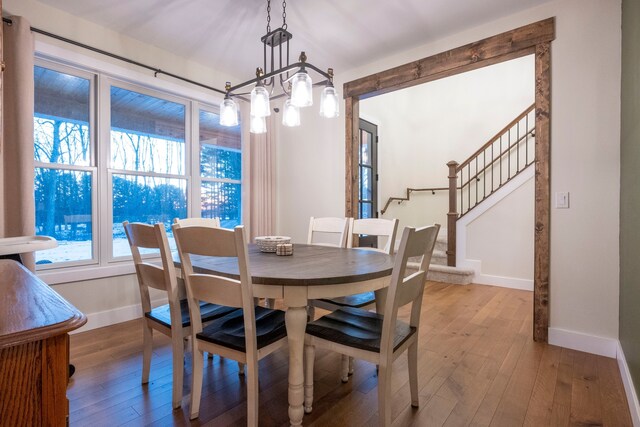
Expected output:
(562, 200)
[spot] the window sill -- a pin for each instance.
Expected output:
(85, 272)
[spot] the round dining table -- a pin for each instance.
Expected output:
(312, 272)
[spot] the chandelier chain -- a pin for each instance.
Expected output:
(268, 16)
(284, 14)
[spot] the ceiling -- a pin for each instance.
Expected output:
(343, 34)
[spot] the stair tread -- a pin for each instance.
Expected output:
(444, 269)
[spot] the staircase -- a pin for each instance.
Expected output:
(498, 161)
(439, 271)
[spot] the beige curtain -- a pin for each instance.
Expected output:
(263, 179)
(17, 202)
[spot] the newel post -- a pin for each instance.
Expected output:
(452, 215)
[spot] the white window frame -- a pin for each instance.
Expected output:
(196, 161)
(106, 153)
(92, 168)
(105, 74)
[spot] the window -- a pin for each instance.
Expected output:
(142, 166)
(147, 163)
(64, 164)
(220, 170)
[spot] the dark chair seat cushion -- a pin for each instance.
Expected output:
(208, 312)
(357, 300)
(228, 331)
(357, 328)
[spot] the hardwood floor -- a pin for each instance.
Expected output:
(478, 366)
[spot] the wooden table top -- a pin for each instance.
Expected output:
(29, 309)
(309, 265)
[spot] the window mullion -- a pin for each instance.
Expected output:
(149, 174)
(104, 189)
(224, 180)
(196, 181)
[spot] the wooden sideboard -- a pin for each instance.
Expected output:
(34, 349)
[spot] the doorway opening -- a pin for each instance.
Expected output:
(535, 39)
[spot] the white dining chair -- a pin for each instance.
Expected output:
(380, 228)
(327, 231)
(379, 338)
(245, 335)
(171, 319)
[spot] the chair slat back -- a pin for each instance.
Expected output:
(199, 222)
(375, 227)
(141, 235)
(216, 289)
(404, 290)
(335, 228)
(162, 277)
(152, 275)
(208, 241)
(217, 242)
(411, 288)
(421, 244)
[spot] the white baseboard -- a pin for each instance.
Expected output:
(602, 346)
(488, 279)
(117, 315)
(504, 282)
(632, 397)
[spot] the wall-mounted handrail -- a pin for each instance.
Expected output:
(408, 197)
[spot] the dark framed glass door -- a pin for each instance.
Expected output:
(368, 177)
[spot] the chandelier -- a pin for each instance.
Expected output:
(271, 83)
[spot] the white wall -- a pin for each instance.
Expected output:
(585, 132)
(422, 128)
(501, 238)
(111, 299)
(310, 173)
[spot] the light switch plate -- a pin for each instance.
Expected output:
(562, 200)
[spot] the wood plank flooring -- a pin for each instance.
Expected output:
(478, 366)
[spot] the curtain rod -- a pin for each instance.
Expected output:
(155, 70)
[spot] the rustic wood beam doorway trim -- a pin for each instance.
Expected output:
(535, 39)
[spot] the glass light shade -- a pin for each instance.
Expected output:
(260, 102)
(290, 114)
(228, 112)
(301, 90)
(329, 106)
(258, 124)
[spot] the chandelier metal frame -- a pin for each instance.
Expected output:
(276, 52)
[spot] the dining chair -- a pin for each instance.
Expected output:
(379, 338)
(376, 227)
(204, 222)
(167, 317)
(200, 222)
(246, 335)
(327, 231)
